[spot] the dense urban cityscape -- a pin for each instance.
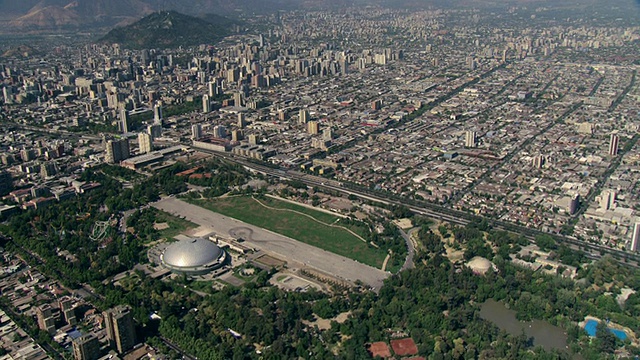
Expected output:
(408, 182)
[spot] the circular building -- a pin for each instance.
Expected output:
(193, 257)
(480, 265)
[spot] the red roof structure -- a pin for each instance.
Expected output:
(380, 348)
(404, 347)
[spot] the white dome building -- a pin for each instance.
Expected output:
(193, 257)
(480, 265)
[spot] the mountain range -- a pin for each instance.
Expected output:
(55, 15)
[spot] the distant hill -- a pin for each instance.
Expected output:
(170, 29)
(70, 14)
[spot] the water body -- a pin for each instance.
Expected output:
(590, 328)
(543, 334)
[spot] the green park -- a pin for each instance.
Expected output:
(310, 226)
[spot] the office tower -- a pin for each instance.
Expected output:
(46, 321)
(236, 135)
(471, 63)
(538, 161)
(120, 330)
(303, 116)
(212, 88)
(206, 104)
(261, 40)
(154, 130)
(237, 99)
(124, 120)
(312, 127)
(282, 115)
(67, 310)
(157, 113)
(241, 120)
(607, 199)
(86, 347)
(635, 237)
(145, 143)
(253, 139)
(376, 105)
(327, 134)
(574, 203)
(117, 150)
(219, 131)
(27, 154)
(470, 139)
(613, 145)
(196, 131)
(6, 94)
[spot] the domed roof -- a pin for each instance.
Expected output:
(191, 253)
(479, 264)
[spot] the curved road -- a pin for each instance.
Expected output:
(411, 251)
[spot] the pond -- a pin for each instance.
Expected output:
(590, 328)
(543, 333)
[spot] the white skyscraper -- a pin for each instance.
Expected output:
(145, 142)
(206, 104)
(635, 238)
(157, 113)
(303, 116)
(613, 145)
(196, 131)
(470, 139)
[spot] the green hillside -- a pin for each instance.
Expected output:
(170, 29)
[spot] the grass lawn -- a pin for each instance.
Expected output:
(296, 226)
(176, 225)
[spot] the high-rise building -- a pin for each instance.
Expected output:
(303, 116)
(46, 321)
(282, 115)
(206, 104)
(69, 313)
(607, 199)
(539, 161)
(635, 237)
(241, 120)
(145, 143)
(196, 131)
(157, 113)
(117, 150)
(237, 99)
(124, 120)
(312, 127)
(212, 89)
(6, 183)
(236, 135)
(327, 134)
(470, 139)
(155, 130)
(376, 105)
(86, 347)
(253, 139)
(613, 145)
(120, 330)
(219, 131)
(574, 204)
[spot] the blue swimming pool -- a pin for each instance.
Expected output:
(590, 328)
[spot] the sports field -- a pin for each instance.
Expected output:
(297, 222)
